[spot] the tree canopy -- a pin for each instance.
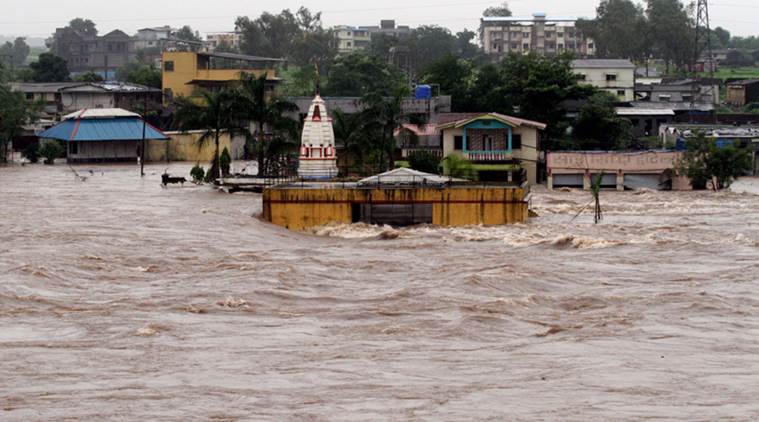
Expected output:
(49, 68)
(358, 74)
(83, 26)
(14, 53)
(497, 11)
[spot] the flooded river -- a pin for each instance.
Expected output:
(123, 300)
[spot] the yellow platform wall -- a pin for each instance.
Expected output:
(299, 209)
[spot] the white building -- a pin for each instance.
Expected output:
(351, 39)
(232, 38)
(616, 77)
(318, 158)
(537, 34)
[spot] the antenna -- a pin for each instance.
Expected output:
(702, 48)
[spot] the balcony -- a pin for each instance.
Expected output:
(480, 156)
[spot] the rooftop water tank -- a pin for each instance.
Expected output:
(423, 92)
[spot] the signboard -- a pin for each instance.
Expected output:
(626, 162)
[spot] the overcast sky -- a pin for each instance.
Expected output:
(39, 18)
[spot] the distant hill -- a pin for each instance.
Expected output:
(32, 41)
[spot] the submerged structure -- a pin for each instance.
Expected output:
(102, 135)
(400, 197)
(318, 158)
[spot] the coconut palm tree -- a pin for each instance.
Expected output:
(258, 105)
(214, 112)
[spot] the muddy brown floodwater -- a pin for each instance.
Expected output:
(123, 300)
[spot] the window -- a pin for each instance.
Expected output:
(687, 97)
(610, 77)
(526, 46)
(458, 143)
(621, 92)
(590, 45)
(73, 147)
(516, 141)
(581, 77)
(29, 96)
(168, 66)
(525, 35)
(561, 46)
(514, 46)
(665, 97)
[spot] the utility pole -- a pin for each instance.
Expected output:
(703, 47)
(144, 128)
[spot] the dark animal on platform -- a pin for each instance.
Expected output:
(166, 179)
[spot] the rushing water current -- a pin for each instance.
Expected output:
(120, 299)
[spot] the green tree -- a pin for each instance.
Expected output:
(424, 161)
(51, 150)
(49, 68)
(215, 113)
(617, 30)
(298, 36)
(186, 33)
(275, 131)
(88, 77)
(85, 27)
(599, 128)
(497, 11)
(15, 111)
(670, 28)
(14, 53)
(141, 74)
(349, 134)
(466, 46)
(382, 116)
(458, 167)
(454, 76)
(704, 160)
(722, 35)
(529, 86)
(358, 74)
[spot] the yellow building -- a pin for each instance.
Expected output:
(186, 72)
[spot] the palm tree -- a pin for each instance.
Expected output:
(383, 117)
(349, 133)
(215, 112)
(267, 111)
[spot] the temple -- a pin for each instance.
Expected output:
(318, 159)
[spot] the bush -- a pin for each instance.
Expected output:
(31, 152)
(225, 161)
(424, 161)
(197, 173)
(704, 160)
(458, 167)
(51, 150)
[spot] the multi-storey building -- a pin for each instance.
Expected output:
(350, 38)
(96, 54)
(232, 39)
(185, 73)
(539, 35)
(353, 38)
(616, 76)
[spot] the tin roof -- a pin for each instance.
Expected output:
(449, 120)
(99, 113)
(642, 111)
(102, 125)
(603, 64)
(405, 176)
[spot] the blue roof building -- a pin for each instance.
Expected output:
(103, 135)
